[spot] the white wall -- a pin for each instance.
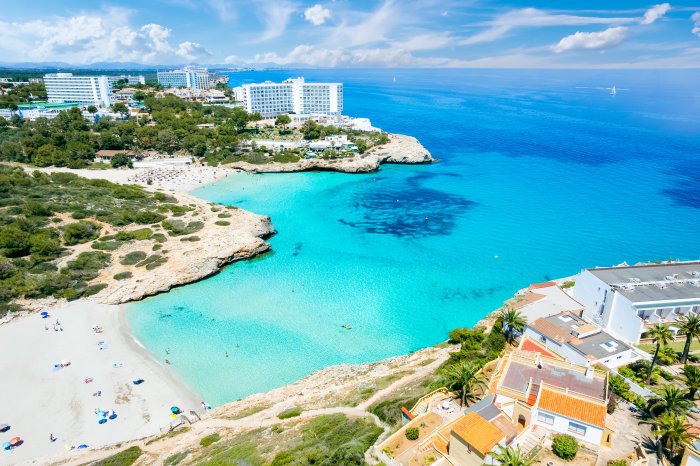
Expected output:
(561, 424)
(590, 291)
(623, 320)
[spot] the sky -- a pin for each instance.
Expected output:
(354, 33)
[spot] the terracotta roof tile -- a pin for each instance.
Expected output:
(573, 407)
(478, 432)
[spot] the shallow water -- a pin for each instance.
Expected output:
(541, 175)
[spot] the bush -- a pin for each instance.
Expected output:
(123, 275)
(289, 413)
(106, 245)
(133, 257)
(178, 227)
(80, 232)
(153, 261)
(617, 463)
(565, 446)
(190, 239)
(209, 439)
(222, 223)
(412, 433)
(123, 458)
(94, 289)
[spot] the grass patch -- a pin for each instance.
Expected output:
(106, 245)
(170, 434)
(175, 459)
(152, 261)
(190, 239)
(250, 411)
(94, 289)
(224, 215)
(222, 223)
(209, 439)
(123, 275)
(133, 258)
(179, 227)
(160, 238)
(123, 458)
(290, 413)
(389, 409)
(677, 346)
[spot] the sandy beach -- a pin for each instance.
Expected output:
(38, 399)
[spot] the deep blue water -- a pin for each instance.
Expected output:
(541, 173)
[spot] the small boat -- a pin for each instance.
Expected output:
(346, 326)
(613, 91)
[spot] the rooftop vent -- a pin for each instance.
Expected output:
(565, 318)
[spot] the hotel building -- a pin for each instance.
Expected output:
(294, 96)
(190, 77)
(628, 300)
(80, 90)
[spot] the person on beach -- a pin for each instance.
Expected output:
(52, 438)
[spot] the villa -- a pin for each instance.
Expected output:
(579, 341)
(628, 300)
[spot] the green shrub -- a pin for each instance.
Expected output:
(106, 245)
(223, 214)
(157, 247)
(123, 275)
(412, 433)
(123, 458)
(80, 232)
(190, 239)
(568, 284)
(133, 257)
(94, 289)
(565, 446)
(152, 261)
(209, 439)
(135, 235)
(617, 463)
(160, 238)
(174, 460)
(178, 227)
(291, 412)
(222, 223)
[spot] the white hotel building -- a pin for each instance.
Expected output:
(628, 300)
(83, 90)
(190, 78)
(294, 96)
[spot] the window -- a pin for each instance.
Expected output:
(545, 418)
(577, 428)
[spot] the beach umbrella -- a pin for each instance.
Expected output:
(6, 446)
(175, 410)
(102, 420)
(4, 427)
(15, 440)
(65, 362)
(44, 314)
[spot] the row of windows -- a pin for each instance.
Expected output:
(574, 427)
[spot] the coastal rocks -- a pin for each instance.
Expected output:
(400, 149)
(239, 236)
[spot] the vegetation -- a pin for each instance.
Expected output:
(510, 456)
(671, 400)
(466, 379)
(209, 439)
(512, 322)
(617, 463)
(690, 327)
(22, 94)
(622, 389)
(123, 458)
(671, 432)
(564, 446)
(660, 335)
(122, 275)
(43, 217)
(691, 379)
(290, 413)
(412, 433)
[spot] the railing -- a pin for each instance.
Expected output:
(427, 397)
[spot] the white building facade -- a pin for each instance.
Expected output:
(189, 77)
(82, 90)
(628, 300)
(294, 96)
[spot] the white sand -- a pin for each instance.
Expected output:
(173, 179)
(37, 400)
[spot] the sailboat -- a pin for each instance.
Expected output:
(394, 78)
(613, 91)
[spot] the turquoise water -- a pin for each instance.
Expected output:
(540, 176)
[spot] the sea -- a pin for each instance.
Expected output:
(541, 173)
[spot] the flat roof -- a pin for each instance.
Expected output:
(518, 374)
(42, 104)
(639, 283)
(589, 341)
(545, 299)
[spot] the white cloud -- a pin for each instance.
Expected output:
(232, 59)
(373, 27)
(655, 12)
(592, 40)
(192, 51)
(317, 15)
(696, 23)
(533, 17)
(224, 9)
(275, 15)
(106, 35)
(424, 42)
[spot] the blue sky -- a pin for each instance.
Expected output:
(364, 33)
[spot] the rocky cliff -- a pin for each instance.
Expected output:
(399, 149)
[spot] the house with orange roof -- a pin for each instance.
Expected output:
(555, 395)
(579, 341)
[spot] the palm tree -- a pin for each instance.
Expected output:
(690, 327)
(510, 456)
(671, 432)
(672, 400)
(660, 335)
(512, 320)
(464, 377)
(691, 378)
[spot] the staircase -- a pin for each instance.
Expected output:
(532, 441)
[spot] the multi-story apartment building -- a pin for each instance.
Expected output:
(291, 96)
(130, 79)
(189, 77)
(628, 300)
(80, 90)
